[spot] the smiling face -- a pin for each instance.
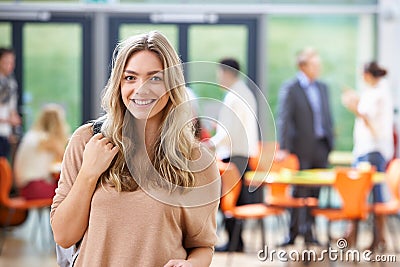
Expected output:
(143, 89)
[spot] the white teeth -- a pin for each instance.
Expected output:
(142, 102)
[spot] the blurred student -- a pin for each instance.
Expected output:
(373, 130)
(236, 137)
(41, 147)
(305, 128)
(126, 180)
(9, 116)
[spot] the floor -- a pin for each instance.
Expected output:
(23, 247)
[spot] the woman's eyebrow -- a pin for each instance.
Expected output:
(148, 73)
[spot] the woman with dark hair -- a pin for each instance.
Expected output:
(373, 130)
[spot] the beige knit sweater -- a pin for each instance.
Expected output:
(133, 228)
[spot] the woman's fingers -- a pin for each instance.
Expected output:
(103, 141)
(98, 136)
(109, 145)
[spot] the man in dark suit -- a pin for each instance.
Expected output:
(305, 128)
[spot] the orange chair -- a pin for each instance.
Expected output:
(279, 194)
(231, 187)
(391, 208)
(353, 187)
(15, 203)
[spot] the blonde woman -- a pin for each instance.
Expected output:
(41, 147)
(128, 195)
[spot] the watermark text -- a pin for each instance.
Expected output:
(341, 253)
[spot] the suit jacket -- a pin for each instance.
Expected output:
(295, 119)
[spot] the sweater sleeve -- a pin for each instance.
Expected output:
(199, 223)
(71, 164)
(201, 226)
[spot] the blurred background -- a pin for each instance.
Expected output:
(64, 48)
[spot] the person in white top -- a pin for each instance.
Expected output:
(41, 147)
(236, 137)
(373, 129)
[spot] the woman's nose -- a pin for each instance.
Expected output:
(142, 87)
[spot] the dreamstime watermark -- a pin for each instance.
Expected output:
(342, 254)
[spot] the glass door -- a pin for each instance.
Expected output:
(52, 70)
(5, 33)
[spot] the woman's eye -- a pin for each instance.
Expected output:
(129, 78)
(156, 78)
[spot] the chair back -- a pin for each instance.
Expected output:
(5, 180)
(393, 178)
(291, 162)
(17, 217)
(354, 187)
(264, 160)
(231, 186)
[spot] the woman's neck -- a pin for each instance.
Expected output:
(147, 130)
(373, 83)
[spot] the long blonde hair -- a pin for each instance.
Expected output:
(173, 147)
(52, 122)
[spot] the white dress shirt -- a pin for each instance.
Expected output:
(237, 130)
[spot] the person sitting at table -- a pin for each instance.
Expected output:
(41, 147)
(373, 131)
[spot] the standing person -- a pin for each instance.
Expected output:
(9, 116)
(124, 193)
(236, 137)
(373, 131)
(41, 147)
(305, 129)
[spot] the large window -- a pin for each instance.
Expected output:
(52, 69)
(212, 43)
(170, 31)
(338, 40)
(5, 33)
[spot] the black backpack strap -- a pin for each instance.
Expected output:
(97, 127)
